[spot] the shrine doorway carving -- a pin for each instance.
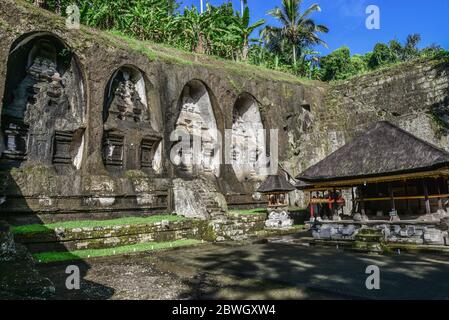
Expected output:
(248, 140)
(44, 105)
(197, 119)
(130, 141)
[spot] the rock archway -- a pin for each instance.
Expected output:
(248, 140)
(44, 105)
(199, 153)
(130, 141)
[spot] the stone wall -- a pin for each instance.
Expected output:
(124, 108)
(118, 156)
(406, 232)
(413, 96)
(238, 227)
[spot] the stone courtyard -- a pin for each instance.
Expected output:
(256, 271)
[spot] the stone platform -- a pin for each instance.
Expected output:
(382, 235)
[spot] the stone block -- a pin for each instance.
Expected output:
(434, 237)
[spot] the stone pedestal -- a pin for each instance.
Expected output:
(278, 218)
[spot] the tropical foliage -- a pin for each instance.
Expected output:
(288, 46)
(297, 32)
(341, 65)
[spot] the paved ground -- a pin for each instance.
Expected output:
(275, 270)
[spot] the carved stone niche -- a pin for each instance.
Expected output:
(148, 148)
(16, 135)
(113, 150)
(196, 120)
(129, 140)
(43, 104)
(67, 149)
(249, 159)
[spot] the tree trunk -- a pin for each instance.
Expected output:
(58, 7)
(245, 51)
(294, 56)
(201, 44)
(39, 3)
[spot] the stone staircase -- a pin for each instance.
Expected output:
(199, 198)
(213, 200)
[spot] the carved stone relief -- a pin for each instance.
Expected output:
(248, 140)
(43, 113)
(129, 141)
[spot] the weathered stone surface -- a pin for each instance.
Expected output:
(18, 276)
(156, 95)
(7, 246)
(279, 219)
(417, 233)
(413, 96)
(113, 105)
(198, 198)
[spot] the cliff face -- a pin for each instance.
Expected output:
(94, 164)
(74, 173)
(413, 96)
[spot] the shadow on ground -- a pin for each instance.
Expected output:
(19, 274)
(289, 270)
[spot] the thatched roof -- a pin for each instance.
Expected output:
(383, 150)
(301, 185)
(276, 183)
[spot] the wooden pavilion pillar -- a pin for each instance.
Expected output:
(426, 197)
(440, 201)
(353, 200)
(312, 213)
(362, 202)
(390, 189)
(407, 201)
(334, 206)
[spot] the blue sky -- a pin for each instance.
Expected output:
(346, 20)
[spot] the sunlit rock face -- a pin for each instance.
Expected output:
(44, 105)
(196, 122)
(129, 140)
(248, 140)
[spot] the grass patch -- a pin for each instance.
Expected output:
(170, 54)
(40, 228)
(135, 44)
(46, 257)
(249, 212)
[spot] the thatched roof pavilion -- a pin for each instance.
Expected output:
(386, 164)
(276, 184)
(384, 150)
(276, 187)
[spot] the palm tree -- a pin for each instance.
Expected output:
(298, 31)
(243, 4)
(244, 30)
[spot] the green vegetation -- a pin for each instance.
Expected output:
(220, 31)
(297, 33)
(340, 65)
(46, 257)
(249, 212)
(225, 33)
(42, 228)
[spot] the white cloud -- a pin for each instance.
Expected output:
(351, 8)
